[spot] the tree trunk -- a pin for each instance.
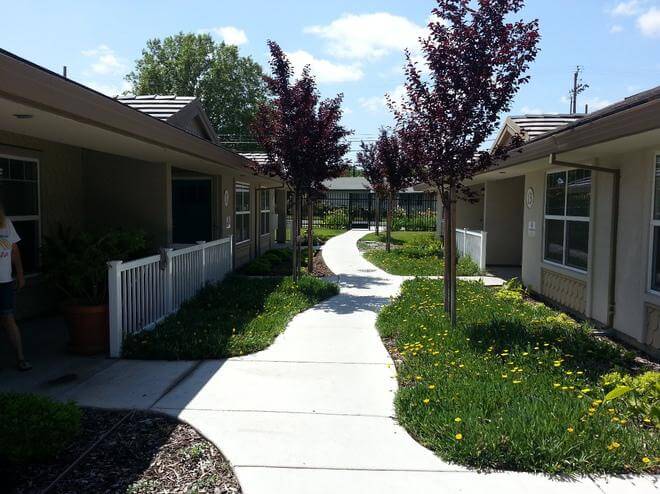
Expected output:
(295, 224)
(452, 226)
(377, 214)
(447, 256)
(388, 232)
(300, 223)
(310, 236)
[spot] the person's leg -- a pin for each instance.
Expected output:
(14, 334)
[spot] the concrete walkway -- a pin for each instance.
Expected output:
(314, 412)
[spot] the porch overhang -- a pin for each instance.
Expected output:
(64, 111)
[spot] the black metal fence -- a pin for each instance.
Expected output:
(344, 210)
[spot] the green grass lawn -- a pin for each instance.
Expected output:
(515, 385)
(400, 238)
(236, 317)
(414, 254)
(323, 234)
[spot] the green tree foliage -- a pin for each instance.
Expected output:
(230, 86)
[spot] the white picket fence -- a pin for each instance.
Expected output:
(145, 291)
(472, 243)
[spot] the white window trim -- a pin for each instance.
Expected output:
(565, 219)
(264, 193)
(30, 217)
(652, 224)
(242, 187)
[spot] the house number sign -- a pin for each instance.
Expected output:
(529, 198)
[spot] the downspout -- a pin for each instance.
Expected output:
(616, 175)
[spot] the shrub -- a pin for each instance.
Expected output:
(467, 267)
(35, 428)
(272, 263)
(76, 262)
(635, 397)
(336, 218)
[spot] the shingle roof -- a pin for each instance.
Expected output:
(347, 183)
(536, 125)
(162, 107)
(259, 158)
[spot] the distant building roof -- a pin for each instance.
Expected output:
(533, 126)
(258, 158)
(347, 183)
(162, 107)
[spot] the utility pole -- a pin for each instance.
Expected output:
(578, 87)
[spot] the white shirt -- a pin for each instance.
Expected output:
(8, 237)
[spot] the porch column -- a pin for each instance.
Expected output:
(280, 209)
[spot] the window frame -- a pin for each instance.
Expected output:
(264, 193)
(565, 219)
(242, 188)
(30, 217)
(653, 223)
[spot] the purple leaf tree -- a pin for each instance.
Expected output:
(302, 137)
(475, 60)
(388, 171)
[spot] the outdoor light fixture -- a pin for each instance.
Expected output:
(23, 116)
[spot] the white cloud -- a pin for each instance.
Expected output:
(229, 34)
(324, 70)
(109, 89)
(377, 104)
(616, 28)
(106, 61)
(649, 23)
(629, 8)
(369, 36)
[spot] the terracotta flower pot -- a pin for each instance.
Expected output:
(88, 328)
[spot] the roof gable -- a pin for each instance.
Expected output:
(184, 112)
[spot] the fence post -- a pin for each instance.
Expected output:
(166, 266)
(115, 308)
(482, 263)
(204, 276)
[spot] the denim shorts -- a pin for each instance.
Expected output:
(7, 298)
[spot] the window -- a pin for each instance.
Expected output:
(19, 192)
(242, 229)
(567, 210)
(655, 230)
(264, 212)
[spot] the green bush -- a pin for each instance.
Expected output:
(76, 262)
(336, 219)
(465, 266)
(276, 262)
(35, 428)
(634, 397)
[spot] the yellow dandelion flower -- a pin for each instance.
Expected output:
(570, 429)
(556, 385)
(459, 436)
(419, 378)
(504, 376)
(431, 386)
(517, 382)
(426, 401)
(585, 390)
(646, 460)
(458, 419)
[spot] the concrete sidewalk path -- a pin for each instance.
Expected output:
(314, 412)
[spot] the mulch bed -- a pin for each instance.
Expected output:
(146, 453)
(321, 269)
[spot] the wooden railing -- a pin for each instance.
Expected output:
(145, 291)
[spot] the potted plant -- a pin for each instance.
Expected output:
(76, 263)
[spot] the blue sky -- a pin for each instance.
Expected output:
(354, 47)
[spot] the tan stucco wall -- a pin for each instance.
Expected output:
(634, 313)
(470, 215)
(61, 203)
(128, 193)
(634, 245)
(60, 178)
(503, 221)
